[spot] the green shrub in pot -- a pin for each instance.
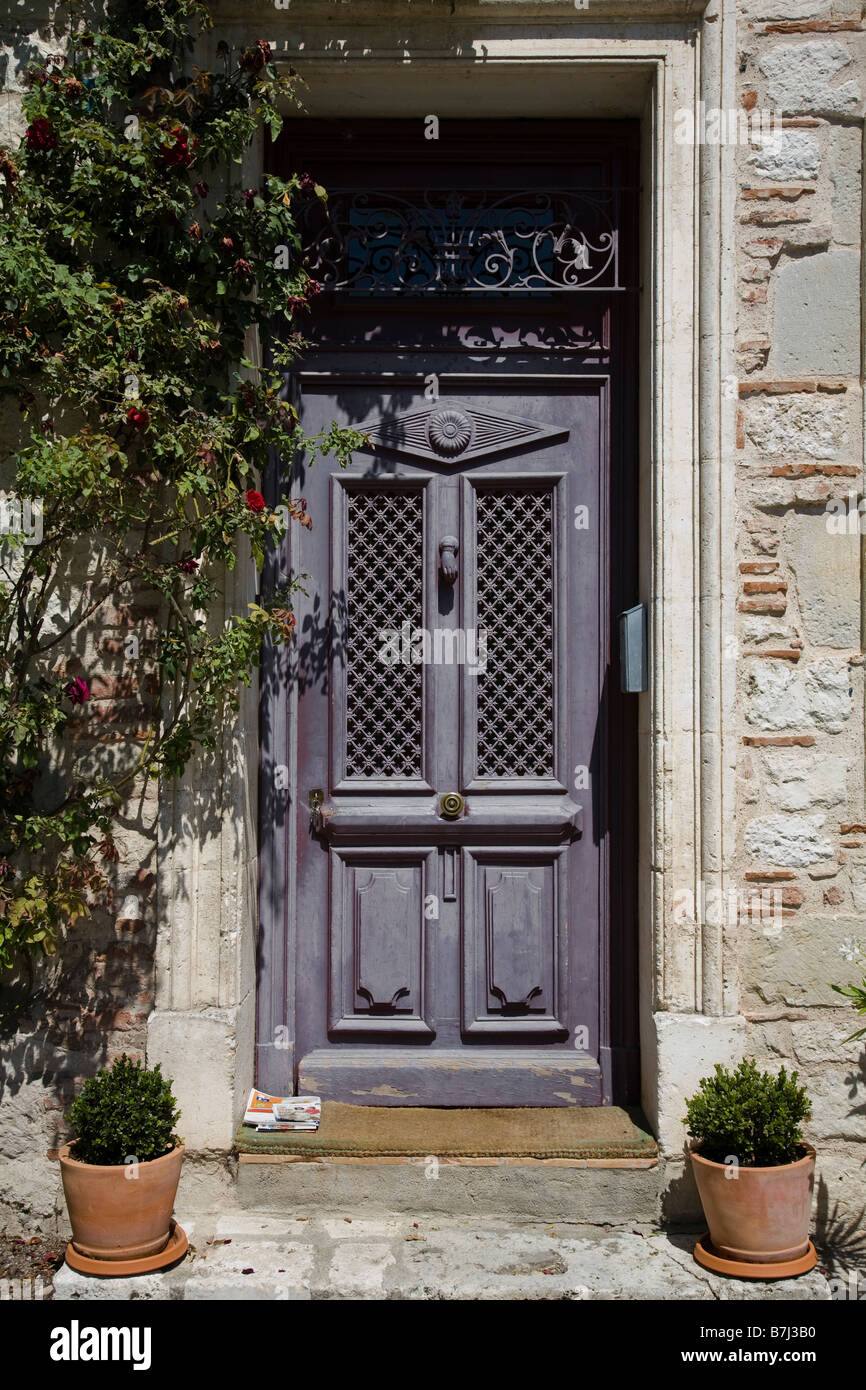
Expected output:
(754, 1171)
(121, 1172)
(748, 1113)
(125, 1110)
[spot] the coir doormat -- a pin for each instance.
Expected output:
(372, 1131)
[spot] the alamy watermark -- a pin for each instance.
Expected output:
(848, 1285)
(716, 907)
(24, 1290)
(715, 125)
(408, 645)
(21, 516)
(846, 518)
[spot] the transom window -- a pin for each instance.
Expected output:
(446, 241)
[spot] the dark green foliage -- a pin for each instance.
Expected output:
(124, 1112)
(133, 270)
(750, 1114)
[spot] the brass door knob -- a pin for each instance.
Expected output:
(451, 805)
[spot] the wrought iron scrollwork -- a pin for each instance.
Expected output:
(435, 241)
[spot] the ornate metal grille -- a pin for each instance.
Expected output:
(436, 241)
(384, 593)
(514, 578)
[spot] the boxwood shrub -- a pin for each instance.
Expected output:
(749, 1114)
(125, 1112)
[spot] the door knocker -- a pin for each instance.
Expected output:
(448, 547)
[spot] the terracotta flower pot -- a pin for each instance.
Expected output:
(761, 1215)
(116, 1216)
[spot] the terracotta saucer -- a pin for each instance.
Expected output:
(707, 1255)
(114, 1269)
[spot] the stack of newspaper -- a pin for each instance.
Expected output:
(282, 1112)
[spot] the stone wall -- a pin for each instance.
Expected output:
(799, 447)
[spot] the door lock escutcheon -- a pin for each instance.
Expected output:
(451, 806)
(315, 801)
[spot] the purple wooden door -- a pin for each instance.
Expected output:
(451, 886)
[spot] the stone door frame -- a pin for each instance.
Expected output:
(542, 58)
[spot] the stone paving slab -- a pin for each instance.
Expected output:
(252, 1256)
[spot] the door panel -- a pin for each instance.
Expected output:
(515, 935)
(379, 941)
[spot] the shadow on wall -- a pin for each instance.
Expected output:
(680, 1203)
(840, 1237)
(66, 1016)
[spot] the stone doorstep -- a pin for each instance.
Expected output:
(591, 1191)
(581, 1164)
(349, 1254)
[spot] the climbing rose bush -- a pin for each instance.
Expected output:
(127, 293)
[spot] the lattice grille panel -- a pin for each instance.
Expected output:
(384, 591)
(514, 578)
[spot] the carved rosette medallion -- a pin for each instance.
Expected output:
(449, 431)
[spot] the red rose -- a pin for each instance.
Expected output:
(255, 501)
(241, 269)
(77, 691)
(312, 288)
(40, 135)
(308, 185)
(255, 58)
(195, 230)
(188, 565)
(178, 154)
(139, 419)
(201, 188)
(249, 196)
